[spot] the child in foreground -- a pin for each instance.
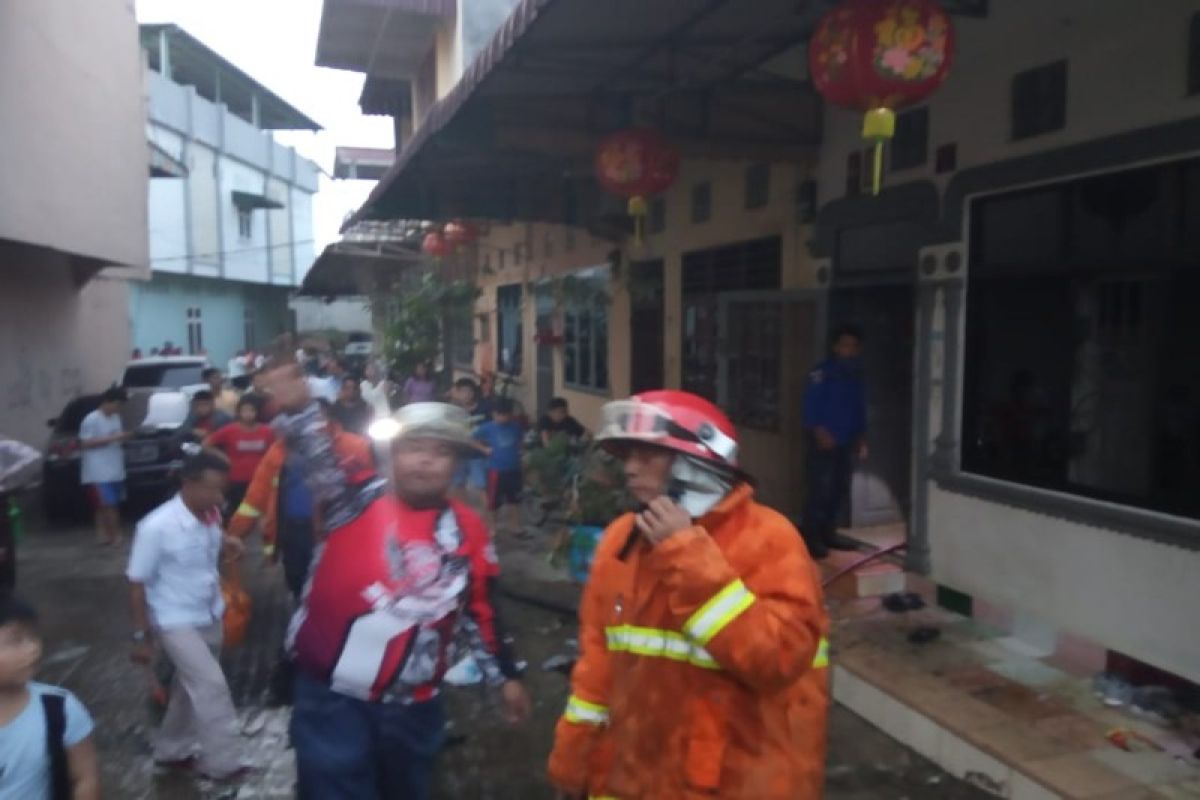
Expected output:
(46, 748)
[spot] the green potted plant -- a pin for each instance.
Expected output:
(599, 499)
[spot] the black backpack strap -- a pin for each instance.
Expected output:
(54, 706)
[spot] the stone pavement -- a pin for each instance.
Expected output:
(81, 594)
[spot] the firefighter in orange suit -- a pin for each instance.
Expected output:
(703, 666)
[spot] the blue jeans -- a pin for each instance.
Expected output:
(348, 749)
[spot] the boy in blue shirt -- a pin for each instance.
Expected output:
(500, 441)
(46, 748)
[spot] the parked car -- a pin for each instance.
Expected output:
(63, 498)
(155, 453)
(182, 373)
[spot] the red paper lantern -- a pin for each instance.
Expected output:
(878, 56)
(636, 163)
(435, 245)
(458, 232)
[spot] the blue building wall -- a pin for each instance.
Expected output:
(158, 312)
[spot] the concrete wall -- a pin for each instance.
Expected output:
(1126, 71)
(56, 340)
(74, 156)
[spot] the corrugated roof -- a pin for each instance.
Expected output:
(721, 78)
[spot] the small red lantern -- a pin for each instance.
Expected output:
(435, 245)
(458, 233)
(636, 163)
(880, 55)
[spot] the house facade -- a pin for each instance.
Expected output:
(231, 229)
(1022, 279)
(72, 206)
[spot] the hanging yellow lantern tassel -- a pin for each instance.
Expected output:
(638, 209)
(879, 125)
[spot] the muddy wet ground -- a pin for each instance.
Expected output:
(80, 592)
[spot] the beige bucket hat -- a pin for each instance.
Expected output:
(442, 421)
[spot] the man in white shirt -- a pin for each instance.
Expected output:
(102, 464)
(175, 598)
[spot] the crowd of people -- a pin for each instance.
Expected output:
(392, 567)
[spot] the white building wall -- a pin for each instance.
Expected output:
(224, 153)
(1126, 71)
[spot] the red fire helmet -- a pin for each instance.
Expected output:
(676, 420)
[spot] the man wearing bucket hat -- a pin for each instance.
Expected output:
(403, 572)
(703, 666)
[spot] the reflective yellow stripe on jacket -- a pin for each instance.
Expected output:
(247, 510)
(721, 609)
(657, 643)
(584, 713)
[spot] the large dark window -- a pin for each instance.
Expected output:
(753, 341)
(1039, 100)
(1081, 373)
(508, 328)
(585, 330)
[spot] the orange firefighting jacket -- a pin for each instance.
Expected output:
(262, 495)
(703, 665)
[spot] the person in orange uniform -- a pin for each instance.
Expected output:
(293, 530)
(703, 664)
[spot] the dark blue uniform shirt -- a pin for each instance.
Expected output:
(835, 399)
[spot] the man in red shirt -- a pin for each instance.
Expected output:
(244, 443)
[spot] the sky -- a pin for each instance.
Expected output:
(275, 42)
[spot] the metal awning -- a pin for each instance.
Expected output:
(354, 269)
(362, 163)
(188, 61)
(249, 201)
(515, 138)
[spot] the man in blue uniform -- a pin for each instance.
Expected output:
(835, 419)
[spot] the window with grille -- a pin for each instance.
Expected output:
(1039, 100)
(910, 145)
(701, 202)
(509, 338)
(585, 331)
(195, 331)
(245, 222)
(754, 345)
(460, 330)
(758, 185)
